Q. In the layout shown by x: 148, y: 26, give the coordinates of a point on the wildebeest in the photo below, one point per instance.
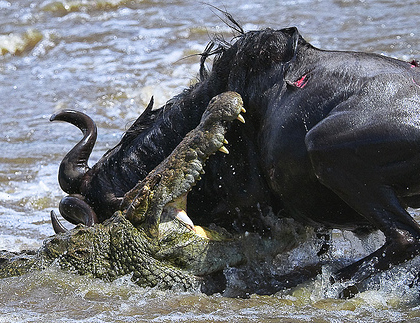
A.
x: 332, y: 138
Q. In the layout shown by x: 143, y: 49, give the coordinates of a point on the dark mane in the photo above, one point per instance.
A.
x: 218, y: 45
x: 149, y: 117
x: 144, y: 121
x: 229, y: 20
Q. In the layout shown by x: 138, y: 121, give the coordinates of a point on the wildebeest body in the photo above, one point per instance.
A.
x: 355, y: 109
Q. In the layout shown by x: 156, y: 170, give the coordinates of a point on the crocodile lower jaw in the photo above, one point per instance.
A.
x: 176, y: 211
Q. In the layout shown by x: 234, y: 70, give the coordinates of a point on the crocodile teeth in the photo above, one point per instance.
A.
x: 184, y: 218
x: 225, y: 141
x: 243, y: 110
x: 224, y: 150
x: 240, y: 118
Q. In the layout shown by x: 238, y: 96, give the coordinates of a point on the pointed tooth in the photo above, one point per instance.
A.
x: 184, y: 218
x: 225, y: 141
x: 224, y: 150
x: 240, y: 118
x: 243, y: 110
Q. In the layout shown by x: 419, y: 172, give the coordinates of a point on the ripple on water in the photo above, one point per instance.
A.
x: 62, y: 8
x: 19, y: 44
x: 62, y: 297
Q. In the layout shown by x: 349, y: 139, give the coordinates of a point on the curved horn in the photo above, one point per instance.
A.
x: 57, y: 226
x: 74, y: 209
x: 74, y: 165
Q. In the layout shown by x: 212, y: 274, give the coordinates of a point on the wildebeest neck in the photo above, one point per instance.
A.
x: 151, y: 139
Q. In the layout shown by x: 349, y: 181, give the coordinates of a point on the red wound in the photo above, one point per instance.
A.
x: 301, y: 82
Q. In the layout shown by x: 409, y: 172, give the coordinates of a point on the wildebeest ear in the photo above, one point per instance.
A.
x: 292, y: 43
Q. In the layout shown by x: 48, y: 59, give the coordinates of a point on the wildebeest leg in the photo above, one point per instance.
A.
x: 372, y: 169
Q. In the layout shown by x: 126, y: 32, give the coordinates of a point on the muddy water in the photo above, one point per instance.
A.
x: 107, y: 58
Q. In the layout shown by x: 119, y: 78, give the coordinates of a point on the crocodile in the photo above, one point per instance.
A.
x: 151, y: 237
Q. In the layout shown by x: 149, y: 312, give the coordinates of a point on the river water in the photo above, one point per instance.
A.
x: 106, y: 58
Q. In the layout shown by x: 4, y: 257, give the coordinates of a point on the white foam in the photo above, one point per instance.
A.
x: 15, y: 243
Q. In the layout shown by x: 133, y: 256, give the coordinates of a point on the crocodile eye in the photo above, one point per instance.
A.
x: 82, y: 252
